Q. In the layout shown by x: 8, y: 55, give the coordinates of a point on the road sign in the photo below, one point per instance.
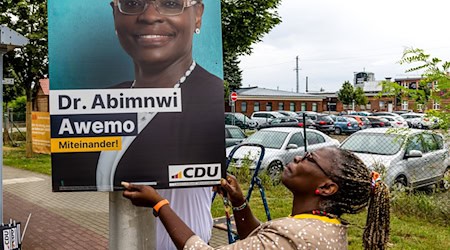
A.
x: 8, y: 81
x: 233, y: 96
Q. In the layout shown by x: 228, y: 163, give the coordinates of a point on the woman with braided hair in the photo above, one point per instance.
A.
x: 325, y: 184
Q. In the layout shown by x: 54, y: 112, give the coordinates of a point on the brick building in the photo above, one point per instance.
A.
x: 260, y: 99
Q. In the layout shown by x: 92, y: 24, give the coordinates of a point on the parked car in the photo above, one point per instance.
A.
x: 363, y: 122
x: 311, y: 114
x: 344, y: 124
x: 385, y: 114
x: 240, y: 120
x: 419, y: 120
x: 233, y: 135
x: 281, y: 145
x: 287, y: 122
x: 360, y: 113
x: 378, y: 122
x: 287, y: 113
x: 324, y: 123
x: 396, y: 121
x: 265, y: 116
x: 412, y: 158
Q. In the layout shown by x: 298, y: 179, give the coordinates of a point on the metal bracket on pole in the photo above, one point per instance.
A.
x: 9, y: 40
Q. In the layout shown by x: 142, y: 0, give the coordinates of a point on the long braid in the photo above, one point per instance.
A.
x: 356, y: 191
x: 376, y: 233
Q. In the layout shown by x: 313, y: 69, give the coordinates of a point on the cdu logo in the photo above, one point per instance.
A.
x: 179, y: 175
x: 194, y: 172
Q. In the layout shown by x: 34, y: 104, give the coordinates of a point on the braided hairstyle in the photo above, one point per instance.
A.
x: 356, y: 191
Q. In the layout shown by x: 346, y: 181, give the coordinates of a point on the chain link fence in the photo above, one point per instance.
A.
x: 410, y: 161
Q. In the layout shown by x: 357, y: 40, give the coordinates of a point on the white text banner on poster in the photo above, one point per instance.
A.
x: 96, y: 101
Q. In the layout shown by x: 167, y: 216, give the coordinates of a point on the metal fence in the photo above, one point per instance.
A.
x: 406, y: 158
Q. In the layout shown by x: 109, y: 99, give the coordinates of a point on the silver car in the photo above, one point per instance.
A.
x: 407, y: 158
x: 281, y: 145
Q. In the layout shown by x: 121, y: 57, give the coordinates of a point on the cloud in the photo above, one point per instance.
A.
x: 333, y: 39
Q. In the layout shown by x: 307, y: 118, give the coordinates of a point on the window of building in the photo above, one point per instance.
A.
x: 281, y: 106
x: 244, y: 107
x: 381, y: 105
x: 314, y: 107
x: 292, y: 106
x: 256, y: 106
x: 369, y: 106
x: 269, y: 106
x: 419, y: 107
x: 303, y: 106
x: 405, y: 105
x: 362, y: 107
x: 436, y: 105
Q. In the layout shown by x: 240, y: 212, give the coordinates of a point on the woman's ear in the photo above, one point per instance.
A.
x: 328, y: 188
x: 199, y: 8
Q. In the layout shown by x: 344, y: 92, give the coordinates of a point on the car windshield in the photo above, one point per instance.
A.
x: 373, y: 143
x: 269, y: 139
x: 241, y: 116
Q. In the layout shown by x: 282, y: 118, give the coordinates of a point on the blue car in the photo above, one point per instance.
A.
x: 345, y: 125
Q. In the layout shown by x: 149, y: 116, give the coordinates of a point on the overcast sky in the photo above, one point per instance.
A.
x: 335, y: 38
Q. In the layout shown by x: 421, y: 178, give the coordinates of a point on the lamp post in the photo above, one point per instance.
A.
x: 9, y: 40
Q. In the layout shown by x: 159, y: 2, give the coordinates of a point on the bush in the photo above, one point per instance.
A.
x: 430, y: 207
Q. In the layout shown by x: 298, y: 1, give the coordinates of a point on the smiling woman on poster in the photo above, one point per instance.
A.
x: 158, y: 36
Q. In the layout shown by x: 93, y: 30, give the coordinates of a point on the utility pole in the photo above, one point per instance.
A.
x: 297, y: 70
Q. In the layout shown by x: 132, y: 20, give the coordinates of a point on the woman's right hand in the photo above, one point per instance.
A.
x: 234, y: 192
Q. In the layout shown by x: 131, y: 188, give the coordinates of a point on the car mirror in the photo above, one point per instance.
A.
x: 291, y: 146
x: 414, y: 154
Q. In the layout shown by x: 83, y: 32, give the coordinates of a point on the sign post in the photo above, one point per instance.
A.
x: 9, y: 40
x: 233, y: 99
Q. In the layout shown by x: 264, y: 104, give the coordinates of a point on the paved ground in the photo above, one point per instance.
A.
x: 60, y: 220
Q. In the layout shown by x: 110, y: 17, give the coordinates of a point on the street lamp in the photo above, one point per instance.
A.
x: 9, y: 40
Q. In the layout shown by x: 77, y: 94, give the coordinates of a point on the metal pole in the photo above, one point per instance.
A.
x: 297, y: 69
x: 304, y: 132
x: 130, y: 227
x: 1, y: 134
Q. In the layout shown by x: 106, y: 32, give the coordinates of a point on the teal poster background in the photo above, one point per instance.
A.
x: 84, y: 52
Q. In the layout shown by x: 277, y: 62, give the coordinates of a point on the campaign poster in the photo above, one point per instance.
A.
x: 136, y: 94
x: 40, y: 132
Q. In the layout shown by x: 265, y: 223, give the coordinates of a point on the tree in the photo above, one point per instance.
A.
x: 360, y: 97
x: 243, y: 24
x: 435, y: 72
x: 346, y: 93
x: 30, y: 63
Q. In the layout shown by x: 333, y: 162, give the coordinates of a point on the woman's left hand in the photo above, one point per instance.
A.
x: 141, y: 196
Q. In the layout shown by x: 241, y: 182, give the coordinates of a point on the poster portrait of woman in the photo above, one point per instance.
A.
x: 122, y: 50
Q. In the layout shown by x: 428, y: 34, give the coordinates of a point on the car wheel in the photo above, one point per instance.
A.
x: 274, y: 170
x: 337, y: 131
x: 400, y: 184
x: 444, y: 184
x: 420, y: 125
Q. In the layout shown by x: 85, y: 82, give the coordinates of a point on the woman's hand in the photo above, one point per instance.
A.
x: 141, y: 196
x: 234, y: 192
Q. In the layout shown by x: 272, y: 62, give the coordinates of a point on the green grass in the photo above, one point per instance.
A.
x: 418, y: 221
x: 408, y: 231
x: 15, y: 157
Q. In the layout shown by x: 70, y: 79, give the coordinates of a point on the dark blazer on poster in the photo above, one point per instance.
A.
x: 194, y: 136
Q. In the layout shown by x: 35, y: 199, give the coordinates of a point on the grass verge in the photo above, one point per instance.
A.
x: 15, y: 157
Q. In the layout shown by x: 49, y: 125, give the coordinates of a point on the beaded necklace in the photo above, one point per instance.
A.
x: 182, y: 79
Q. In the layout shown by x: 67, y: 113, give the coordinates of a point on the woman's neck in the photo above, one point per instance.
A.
x: 160, y: 75
x: 302, y: 204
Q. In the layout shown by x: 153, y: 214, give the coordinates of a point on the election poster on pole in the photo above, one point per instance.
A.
x: 136, y: 94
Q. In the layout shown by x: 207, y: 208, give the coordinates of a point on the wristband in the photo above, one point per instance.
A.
x: 241, y: 207
x: 158, y: 206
